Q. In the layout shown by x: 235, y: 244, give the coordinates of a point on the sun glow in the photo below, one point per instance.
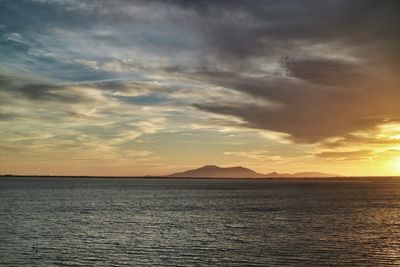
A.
x: 395, y: 166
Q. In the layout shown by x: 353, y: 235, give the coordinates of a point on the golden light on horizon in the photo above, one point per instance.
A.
x: 149, y: 102
x: 395, y: 165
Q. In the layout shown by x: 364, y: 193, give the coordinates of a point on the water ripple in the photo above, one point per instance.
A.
x: 145, y: 222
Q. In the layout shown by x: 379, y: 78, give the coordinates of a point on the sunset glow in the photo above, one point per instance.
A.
x: 155, y: 87
x: 395, y: 165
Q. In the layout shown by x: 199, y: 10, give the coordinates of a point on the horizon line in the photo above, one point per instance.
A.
x: 173, y: 178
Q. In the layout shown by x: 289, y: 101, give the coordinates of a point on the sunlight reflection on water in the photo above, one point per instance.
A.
x: 131, y: 222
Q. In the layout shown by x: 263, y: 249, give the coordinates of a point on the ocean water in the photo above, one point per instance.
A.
x: 182, y: 222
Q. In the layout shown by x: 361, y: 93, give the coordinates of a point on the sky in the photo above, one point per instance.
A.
x: 153, y: 87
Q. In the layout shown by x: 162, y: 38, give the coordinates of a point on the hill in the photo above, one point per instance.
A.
x: 213, y: 171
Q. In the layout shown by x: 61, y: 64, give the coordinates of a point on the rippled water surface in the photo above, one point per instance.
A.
x: 134, y: 222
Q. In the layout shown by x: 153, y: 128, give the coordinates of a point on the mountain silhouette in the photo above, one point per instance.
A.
x: 213, y: 171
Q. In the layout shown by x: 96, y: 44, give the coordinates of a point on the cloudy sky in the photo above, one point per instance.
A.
x: 152, y: 87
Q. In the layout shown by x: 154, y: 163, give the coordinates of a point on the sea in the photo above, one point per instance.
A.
x: 48, y: 221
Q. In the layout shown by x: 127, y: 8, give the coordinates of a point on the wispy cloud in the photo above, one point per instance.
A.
x: 113, y: 78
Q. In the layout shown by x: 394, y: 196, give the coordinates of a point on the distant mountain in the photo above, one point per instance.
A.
x: 213, y: 171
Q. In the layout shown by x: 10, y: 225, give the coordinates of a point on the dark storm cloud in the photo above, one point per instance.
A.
x: 245, y: 29
x: 308, y: 112
x: 334, y: 63
x: 352, y: 140
x: 25, y: 16
x: 330, y: 96
x: 326, y: 72
x: 9, y: 116
x: 46, y: 92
